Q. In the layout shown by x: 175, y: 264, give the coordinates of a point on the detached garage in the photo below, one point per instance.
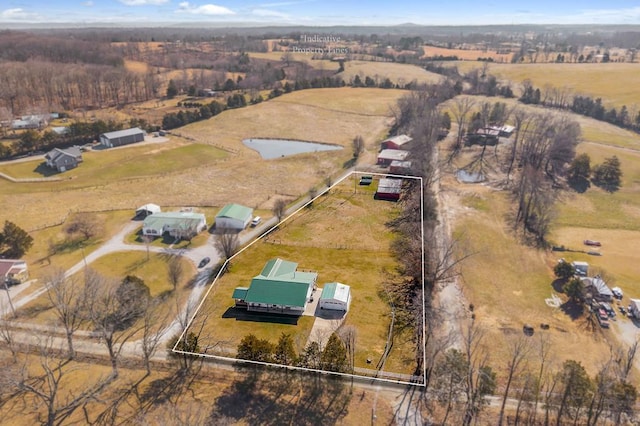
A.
x: 122, y: 137
x: 335, y: 296
x: 234, y: 216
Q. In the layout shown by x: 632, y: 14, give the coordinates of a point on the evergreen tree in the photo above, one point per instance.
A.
x: 563, y: 270
x: 608, y: 175
x: 574, y: 289
x: 172, y: 90
x: 310, y: 357
x: 14, y: 240
x: 285, y: 353
x: 334, y: 355
x: 255, y: 349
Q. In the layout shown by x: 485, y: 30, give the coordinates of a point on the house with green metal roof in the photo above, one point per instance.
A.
x: 177, y: 224
x: 335, y: 296
x: 280, y: 288
x: 234, y: 216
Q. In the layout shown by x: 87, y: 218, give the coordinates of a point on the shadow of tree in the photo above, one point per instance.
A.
x: 579, y: 184
x: 558, y: 285
x: 278, y: 397
x: 606, y: 187
x: 573, y: 309
x: 243, y: 315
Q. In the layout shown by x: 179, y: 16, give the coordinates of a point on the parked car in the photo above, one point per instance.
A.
x: 602, y: 314
x: 592, y: 243
x: 203, y: 262
x: 617, y: 292
x: 366, y: 180
x: 622, y: 309
x: 256, y: 220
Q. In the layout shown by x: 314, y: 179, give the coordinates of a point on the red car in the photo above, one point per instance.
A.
x: 592, y: 243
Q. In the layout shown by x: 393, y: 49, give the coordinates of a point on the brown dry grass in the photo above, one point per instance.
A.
x: 344, y: 238
x: 379, y: 71
x: 136, y: 66
x: 609, y: 81
x: 467, y: 54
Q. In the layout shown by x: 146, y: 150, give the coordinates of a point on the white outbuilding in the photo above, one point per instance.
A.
x: 148, y: 209
x: 335, y: 296
x: 234, y: 216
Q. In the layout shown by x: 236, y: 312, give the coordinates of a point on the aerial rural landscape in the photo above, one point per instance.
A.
x: 262, y: 219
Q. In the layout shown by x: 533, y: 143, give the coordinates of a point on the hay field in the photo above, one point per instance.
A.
x: 467, y: 54
x: 610, y: 81
x: 397, y: 73
x: 323, y: 239
x: 209, y: 180
x: 323, y: 64
x: 508, y: 283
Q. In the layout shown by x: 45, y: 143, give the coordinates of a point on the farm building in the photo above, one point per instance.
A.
x: 33, y: 121
x: 389, y: 189
x: 234, y: 216
x: 147, y: 209
x: 581, y: 268
x: 177, y: 224
x: 598, y: 287
x: 280, y: 288
x: 13, y: 271
x: 397, y: 142
x: 634, y: 308
x: 387, y: 156
x: 122, y: 137
x: 400, y: 167
x: 63, y: 159
x: 335, y: 296
x: 484, y: 136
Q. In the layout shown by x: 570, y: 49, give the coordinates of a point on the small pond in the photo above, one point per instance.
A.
x: 276, y: 148
x: 469, y: 177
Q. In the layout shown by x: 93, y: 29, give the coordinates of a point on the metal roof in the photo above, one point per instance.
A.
x: 184, y: 220
x: 240, y: 293
x: 280, y: 283
x: 393, y: 154
x: 337, y: 291
x: 399, y: 140
x: 236, y: 211
x: 389, y: 186
x: 122, y: 133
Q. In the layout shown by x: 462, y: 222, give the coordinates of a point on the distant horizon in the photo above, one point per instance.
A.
x: 318, y: 13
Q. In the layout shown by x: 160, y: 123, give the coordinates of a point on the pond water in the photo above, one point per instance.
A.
x: 276, y: 148
x: 469, y: 177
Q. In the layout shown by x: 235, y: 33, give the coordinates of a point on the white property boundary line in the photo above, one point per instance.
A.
x: 312, y: 370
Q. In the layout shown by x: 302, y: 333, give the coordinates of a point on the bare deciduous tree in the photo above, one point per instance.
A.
x: 226, y: 242
x: 279, y: 209
x: 85, y: 224
x: 519, y: 350
x: 69, y: 301
x: 175, y: 271
x: 358, y: 146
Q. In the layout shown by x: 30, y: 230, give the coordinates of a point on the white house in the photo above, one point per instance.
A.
x: 335, y: 296
x: 177, y: 224
x: 234, y: 216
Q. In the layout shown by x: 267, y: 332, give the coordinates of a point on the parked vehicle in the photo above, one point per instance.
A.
x: 203, y: 262
x: 366, y: 180
x: 592, y: 243
x: 256, y: 220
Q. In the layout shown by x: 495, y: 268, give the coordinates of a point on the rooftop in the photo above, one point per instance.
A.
x: 122, y: 133
x: 7, y: 265
x: 235, y: 211
x: 399, y: 139
x: 393, y: 154
x: 173, y: 219
x: 336, y: 291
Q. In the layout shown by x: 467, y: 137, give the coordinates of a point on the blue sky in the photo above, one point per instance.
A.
x: 323, y: 12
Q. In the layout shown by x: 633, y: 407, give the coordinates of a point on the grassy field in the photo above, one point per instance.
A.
x: 467, y: 54
x: 72, y: 253
x: 99, y: 167
x: 317, y: 239
x: 595, y: 80
x: 379, y: 71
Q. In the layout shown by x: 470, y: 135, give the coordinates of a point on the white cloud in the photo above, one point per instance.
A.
x: 270, y: 13
x: 205, y: 9
x: 17, y: 14
x: 87, y: 3
x: 286, y: 3
x: 142, y: 2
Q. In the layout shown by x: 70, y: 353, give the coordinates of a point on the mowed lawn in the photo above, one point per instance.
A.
x: 131, y: 162
x: 609, y: 81
x: 114, y: 267
x: 344, y: 239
